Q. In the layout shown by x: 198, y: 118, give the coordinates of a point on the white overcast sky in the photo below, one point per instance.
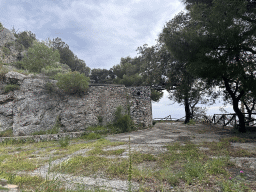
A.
x: 99, y: 32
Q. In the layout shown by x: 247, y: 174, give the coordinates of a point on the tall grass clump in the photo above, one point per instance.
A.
x: 123, y: 122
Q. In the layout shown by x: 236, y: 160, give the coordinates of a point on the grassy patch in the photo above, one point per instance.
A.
x: 91, y: 136
x: 224, y: 148
x: 11, y: 87
x: 6, y: 133
x: 181, y: 167
x: 98, y: 151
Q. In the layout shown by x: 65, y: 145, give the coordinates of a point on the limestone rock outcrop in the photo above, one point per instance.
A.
x: 34, y: 108
x: 6, y: 36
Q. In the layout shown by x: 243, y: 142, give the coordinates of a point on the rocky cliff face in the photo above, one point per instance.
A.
x: 33, y: 107
x: 8, y: 51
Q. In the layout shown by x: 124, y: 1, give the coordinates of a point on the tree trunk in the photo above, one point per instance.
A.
x: 240, y: 115
x: 235, y: 100
x: 187, y: 111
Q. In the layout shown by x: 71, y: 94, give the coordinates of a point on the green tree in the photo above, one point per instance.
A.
x: 162, y: 70
x: 101, y: 76
x: 216, y: 40
x: 68, y: 57
x: 26, y: 38
x: 39, y: 56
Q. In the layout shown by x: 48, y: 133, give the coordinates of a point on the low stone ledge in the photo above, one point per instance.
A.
x: 40, y: 138
x: 47, y: 137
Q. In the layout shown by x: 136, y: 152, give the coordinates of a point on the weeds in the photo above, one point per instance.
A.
x: 64, y: 141
x: 182, y: 163
x: 11, y: 87
x: 6, y: 133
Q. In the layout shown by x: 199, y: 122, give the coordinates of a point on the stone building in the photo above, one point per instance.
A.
x: 33, y: 108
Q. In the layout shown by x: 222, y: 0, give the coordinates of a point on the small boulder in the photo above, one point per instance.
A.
x: 14, y: 78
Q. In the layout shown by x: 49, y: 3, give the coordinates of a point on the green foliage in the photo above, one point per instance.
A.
x: 100, y: 119
x: 64, y: 141
x: 6, y: 51
x: 68, y: 57
x: 73, y: 82
x: 91, y: 136
x: 6, y: 133
x: 9, y: 44
x: 236, y: 184
x: 156, y: 95
x: 11, y: 87
x: 191, y: 122
x: 19, y: 47
x: 1, y: 26
x: 39, y: 56
x: 127, y: 72
x: 54, y: 69
x: 123, y: 122
x: 3, y: 70
x: 25, y: 39
x: 49, y: 87
x: 101, y: 76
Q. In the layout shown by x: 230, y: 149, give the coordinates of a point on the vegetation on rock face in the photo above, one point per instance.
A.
x: 73, y: 82
x: 3, y: 71
x: 11, y: 87
x: 68, y: 57
x: 54, y: 69
x: 39, y: 56
x: 6, y: 51
x: 25, y: 39
x: 1, y: 26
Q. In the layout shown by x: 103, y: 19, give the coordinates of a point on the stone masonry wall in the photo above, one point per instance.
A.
x: 32, y: 108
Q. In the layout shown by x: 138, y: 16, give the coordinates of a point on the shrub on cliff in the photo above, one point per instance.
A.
x: 6, y: 51
x: 72, y: 82
x: 39, y: 56
x: 11, y: 87
x: 3, y: 71
x: 1, y: 26
x: 25, y: 38
x: 55, y: 68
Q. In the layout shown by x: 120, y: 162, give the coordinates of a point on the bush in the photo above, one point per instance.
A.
x: 11, y: 87
x: 123, y: 122
x: 191, y: 122
x: 64, y: 141
x: 6, y: 51
x: 49, y: 87
x: 53, y: 70
x: 1, y: 27
x: 6, y: 133
x: 19, y: 47
x: 3, y: 71
x: 72, y: 82
x: 91, y: 136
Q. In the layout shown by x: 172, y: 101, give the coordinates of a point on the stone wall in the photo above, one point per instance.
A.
x: 32, y: 108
